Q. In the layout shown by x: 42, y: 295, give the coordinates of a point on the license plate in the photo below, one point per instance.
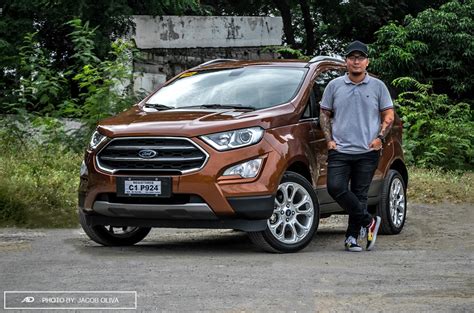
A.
x: 144, y: 186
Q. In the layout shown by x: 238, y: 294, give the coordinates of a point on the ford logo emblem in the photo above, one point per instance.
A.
x: 147, y: 154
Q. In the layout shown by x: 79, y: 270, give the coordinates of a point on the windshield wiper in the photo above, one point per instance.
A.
x: 223, y: 106
x: 158, y: 106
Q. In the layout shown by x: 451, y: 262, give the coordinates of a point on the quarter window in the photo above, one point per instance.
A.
x: 319, y: 84
x: 322, y: 81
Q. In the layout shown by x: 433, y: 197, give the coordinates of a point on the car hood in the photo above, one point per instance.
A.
x: 139, y: 121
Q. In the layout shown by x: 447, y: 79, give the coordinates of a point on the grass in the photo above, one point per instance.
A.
x: 38, y: 186
x: 434, y: 186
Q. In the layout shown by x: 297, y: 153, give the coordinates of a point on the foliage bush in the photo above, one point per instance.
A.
x: 438, y: 132
x: 38, y: 185
x: 44, y: 94
x: 105, y: 87
x: 434, y: 47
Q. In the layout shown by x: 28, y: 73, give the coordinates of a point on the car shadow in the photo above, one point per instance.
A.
x: 222, y: 242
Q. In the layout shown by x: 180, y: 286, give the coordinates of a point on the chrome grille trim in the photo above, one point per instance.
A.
x: 130, y: 159
x: 151, y: 147
x: 106, y: 169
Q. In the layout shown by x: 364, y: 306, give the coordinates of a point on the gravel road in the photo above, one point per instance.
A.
x: 426, y: 268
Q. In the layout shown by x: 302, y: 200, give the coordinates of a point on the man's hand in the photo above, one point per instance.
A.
x: 376, y: 144
x: 331, y: 145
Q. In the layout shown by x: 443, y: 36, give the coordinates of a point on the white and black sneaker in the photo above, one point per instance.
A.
x: 351, y: 245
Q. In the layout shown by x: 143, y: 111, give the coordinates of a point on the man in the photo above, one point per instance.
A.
x: 356, y: 116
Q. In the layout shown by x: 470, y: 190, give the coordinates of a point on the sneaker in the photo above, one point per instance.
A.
x: 372, y: 230
x: 351, y: 245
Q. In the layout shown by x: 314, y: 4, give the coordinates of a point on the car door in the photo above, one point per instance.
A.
x: 324, y: 76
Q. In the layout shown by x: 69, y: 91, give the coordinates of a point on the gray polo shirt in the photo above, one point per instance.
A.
x: 356, y: 107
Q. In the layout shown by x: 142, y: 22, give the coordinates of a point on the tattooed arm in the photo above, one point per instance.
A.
x: 387, y: 122
x: 325, y: 121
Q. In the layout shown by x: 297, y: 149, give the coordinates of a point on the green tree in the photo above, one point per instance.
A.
x: 348, y: 20
x: 322, y: 26
x: 43, y: 93
x: 104, y: 84
x: 437, y: 47
x: 48, y: 19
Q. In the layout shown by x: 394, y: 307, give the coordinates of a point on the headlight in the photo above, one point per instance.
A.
x: 247, y: 169
x: 234, y: 139
x: 96, y: 139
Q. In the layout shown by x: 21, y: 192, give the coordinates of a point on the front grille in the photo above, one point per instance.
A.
x: 173, y: 155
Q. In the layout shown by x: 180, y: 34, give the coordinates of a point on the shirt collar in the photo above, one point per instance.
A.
x: 347, y: 80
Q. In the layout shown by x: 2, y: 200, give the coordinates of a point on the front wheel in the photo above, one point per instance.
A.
x: 295, y: 217
x: 392, y: 207
x: 109, y: 235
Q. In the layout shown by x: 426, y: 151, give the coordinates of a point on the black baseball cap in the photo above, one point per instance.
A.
x: 357, y: 46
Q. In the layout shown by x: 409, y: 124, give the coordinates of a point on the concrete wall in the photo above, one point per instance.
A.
x: 206, y: 31
x: 161, y: 64
x: 172, y: 44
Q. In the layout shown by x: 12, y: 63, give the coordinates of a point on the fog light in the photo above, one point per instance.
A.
x: 247, y: 169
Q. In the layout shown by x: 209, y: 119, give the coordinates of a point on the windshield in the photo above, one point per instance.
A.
x: 255, y: 87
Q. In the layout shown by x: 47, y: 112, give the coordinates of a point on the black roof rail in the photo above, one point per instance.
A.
x: 216, y: 61
x: 320, y: 58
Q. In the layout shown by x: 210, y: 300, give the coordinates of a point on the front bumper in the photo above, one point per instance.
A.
x: 222, y: 198
x: 251, y: 208
x: 251, y: 214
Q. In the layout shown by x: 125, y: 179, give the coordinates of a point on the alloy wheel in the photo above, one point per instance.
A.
x: 293, y: 213
x: 397, y: 202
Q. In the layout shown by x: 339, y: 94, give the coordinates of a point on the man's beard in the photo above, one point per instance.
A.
x: 357, y: 74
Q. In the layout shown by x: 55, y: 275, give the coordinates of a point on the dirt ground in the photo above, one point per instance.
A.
x: 426, y: 268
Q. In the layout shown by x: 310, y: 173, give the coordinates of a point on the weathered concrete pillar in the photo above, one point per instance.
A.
x: 206, y: 31
x: 171, y: 44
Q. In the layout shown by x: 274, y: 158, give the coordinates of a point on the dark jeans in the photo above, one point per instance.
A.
x: 359, y: 170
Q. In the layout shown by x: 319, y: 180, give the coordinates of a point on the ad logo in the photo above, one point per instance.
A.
x: 28, y: 300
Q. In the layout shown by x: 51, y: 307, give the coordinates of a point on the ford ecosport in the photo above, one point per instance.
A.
x: 228, y: 144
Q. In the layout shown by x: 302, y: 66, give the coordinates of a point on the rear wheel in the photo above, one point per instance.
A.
x: 392, y: 207
x: 109, y: 235
x: 295, y: 217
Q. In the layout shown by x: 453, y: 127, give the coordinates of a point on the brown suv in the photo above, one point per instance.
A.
x: 228, y: 144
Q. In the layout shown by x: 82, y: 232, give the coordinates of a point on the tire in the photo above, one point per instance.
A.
x: 392, y: 207
x: 290, y: 228
x: 113, y: 236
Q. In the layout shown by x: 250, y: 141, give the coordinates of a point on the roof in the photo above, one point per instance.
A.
x: 232, y: 63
